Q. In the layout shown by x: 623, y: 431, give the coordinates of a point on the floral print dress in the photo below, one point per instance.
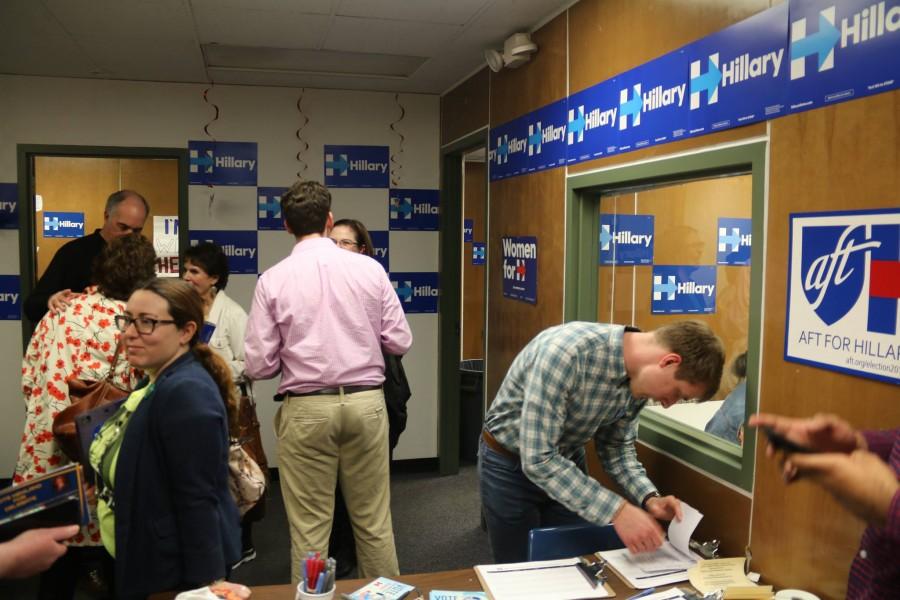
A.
x: 79, y: 343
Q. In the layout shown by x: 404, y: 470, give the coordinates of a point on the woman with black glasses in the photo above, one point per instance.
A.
x: 164, y: 507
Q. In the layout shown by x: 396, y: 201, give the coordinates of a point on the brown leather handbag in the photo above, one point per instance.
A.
x: 84, y: 396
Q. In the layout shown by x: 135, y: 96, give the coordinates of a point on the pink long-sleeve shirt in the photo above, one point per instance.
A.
x: 321, y: 317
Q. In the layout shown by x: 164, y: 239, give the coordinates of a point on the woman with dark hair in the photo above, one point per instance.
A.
x: 164, y: 507
x: 352, y: 235
x: 206, y: 269
x: 79, y: 342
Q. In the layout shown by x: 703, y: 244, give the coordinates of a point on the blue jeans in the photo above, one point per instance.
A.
x: 513, y: 505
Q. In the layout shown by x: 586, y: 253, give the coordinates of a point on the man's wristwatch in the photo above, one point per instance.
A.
x: 647, y: 498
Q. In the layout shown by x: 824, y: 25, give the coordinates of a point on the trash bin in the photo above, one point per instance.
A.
x: 471, y: 407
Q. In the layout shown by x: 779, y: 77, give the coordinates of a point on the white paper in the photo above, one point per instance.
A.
x: 665, y: 559
x: 680, y: 532
x: 538, y: 580
x: 38, y: 203
x: 622, y: 562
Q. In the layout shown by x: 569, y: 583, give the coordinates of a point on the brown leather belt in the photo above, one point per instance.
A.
x: 496, y: 446
x: 334, y: 391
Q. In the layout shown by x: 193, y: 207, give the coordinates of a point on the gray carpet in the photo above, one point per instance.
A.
x: 437, y: 527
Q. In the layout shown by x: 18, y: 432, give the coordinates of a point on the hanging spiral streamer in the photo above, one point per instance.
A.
x: 212, y: 189
x: 304, y: 145
x: 396, y: 164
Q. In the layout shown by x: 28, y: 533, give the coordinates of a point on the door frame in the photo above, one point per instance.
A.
x: 26, y: 154
x: 450, y: 274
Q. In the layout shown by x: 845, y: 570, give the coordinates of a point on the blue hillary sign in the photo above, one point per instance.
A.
x: 414, y: 210
x: 10, y: 298
x: 519, y: 269
x: 268, y: 208
x: 468, y: 229
x: 534, y: 142
x: 418, y: 292
x: 9, y: 206
x: 738, y: 75
x: 626, y: 239
x: 380, y: 248
x: 478, y: 253
x: 63, y: 224
x: 357, y: 166
x: 842, y: 50
x: 239, y: 246
x: 687, y: 289
x: 222, y: 163
x: 593, y: 123
x: 734, y: 239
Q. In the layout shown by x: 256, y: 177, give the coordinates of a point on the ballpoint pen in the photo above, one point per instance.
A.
x: 642, y: 593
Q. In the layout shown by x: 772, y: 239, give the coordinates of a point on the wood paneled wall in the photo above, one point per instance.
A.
x: 474, y: 208
x: 530, y: 205
x: 843, y: 157
x: 464, y: 109
x: 838, y: 158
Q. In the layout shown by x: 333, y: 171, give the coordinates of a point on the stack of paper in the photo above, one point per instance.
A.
x: 668, y: 564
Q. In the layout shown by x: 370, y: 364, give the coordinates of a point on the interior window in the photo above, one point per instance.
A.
x: 682, y: 251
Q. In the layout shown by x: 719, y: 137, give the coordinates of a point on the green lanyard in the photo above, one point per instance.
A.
x: 110, y: 438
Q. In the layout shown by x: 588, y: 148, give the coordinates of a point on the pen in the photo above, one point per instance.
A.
x: 643, y: 593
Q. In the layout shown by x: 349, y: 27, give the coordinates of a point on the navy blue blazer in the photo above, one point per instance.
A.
x: 177, y: 526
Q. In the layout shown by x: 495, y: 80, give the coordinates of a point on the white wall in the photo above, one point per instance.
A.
x: 35, y: 110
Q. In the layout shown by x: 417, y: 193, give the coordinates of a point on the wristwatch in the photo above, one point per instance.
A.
x: 647, y: 497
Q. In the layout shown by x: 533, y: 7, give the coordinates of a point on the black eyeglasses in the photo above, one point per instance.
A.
x: 345, y: 243
x: 144, y: 325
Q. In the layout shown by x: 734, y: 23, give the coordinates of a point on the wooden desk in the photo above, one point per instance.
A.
x: 462, y: 580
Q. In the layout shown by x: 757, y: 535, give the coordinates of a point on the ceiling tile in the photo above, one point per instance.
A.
x: 55, y: 56
x: 390, y: 37
x: 453, y: 12
x: 29, y: 18
x: 164, y: 20
x: 282, y: 29
x: 121, y: 58
x: 316, y: 7
x: 298, y: 80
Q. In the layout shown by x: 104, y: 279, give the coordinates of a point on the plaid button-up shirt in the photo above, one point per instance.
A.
x: 567, y: 386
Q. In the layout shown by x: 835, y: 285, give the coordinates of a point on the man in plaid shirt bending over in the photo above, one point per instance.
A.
x: 570, y: 384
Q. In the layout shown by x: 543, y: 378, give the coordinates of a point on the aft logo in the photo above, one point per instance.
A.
x: 63, y: 224
x: 683, y: 289
x: 844, y: 292
x: 418, y: 292
x: 414, y: 210
x: 734, y: 241
x: 840, y: 264
x: 222, y: 163
x: 520, y: 268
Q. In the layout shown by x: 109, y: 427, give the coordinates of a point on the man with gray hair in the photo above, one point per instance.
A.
x: 70, y: 270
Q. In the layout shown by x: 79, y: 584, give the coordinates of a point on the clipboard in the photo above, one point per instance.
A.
x: 531, y: 579
x: 87, y: 424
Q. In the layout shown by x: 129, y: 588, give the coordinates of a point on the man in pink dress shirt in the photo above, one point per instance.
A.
x: 321, y: 317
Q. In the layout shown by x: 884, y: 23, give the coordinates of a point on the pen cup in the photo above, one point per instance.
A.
x: 301, y: 595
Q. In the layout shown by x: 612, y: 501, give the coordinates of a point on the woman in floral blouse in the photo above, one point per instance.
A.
x: 78, y: 343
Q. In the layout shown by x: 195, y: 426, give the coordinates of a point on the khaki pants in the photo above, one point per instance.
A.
x: 321, y: 439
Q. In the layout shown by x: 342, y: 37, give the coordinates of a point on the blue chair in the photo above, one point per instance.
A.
x: 567, y: 541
